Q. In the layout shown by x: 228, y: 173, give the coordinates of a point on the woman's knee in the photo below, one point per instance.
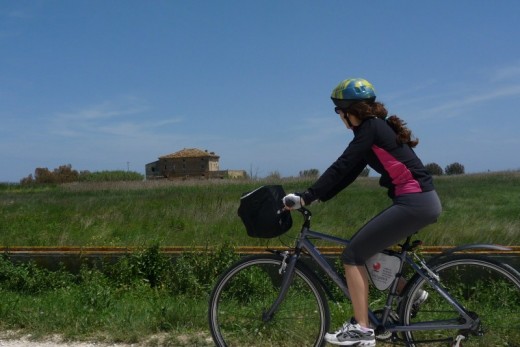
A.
x: 350, y: 257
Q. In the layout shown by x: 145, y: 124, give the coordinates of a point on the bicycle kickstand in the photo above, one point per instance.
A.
x: 458, y: 340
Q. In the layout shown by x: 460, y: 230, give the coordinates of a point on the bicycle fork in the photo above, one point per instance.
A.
x: 287, y: 272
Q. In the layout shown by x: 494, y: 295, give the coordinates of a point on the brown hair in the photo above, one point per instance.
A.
x: 364, y: 110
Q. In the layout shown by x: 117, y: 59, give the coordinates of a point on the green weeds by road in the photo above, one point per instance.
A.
x: 142, y: 295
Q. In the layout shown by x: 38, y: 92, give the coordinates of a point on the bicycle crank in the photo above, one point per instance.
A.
x: 458, y: 341
x: 381, y: 333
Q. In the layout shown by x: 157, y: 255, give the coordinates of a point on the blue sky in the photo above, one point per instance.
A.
x: 112, y: 85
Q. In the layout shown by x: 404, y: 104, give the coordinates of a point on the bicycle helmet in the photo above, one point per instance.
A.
x: 352, y: 90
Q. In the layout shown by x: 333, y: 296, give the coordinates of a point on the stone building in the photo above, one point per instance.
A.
x: 189, y: 163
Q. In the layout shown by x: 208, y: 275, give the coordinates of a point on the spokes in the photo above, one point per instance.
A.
x: 242, y: 297
x: 487, y: 291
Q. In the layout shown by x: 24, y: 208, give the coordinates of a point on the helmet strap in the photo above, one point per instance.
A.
x: 348, y: 120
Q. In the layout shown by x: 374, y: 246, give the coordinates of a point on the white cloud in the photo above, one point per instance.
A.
x: 128, y: 118
x: 506, y: 73
x: 106, y: 110
x: 484, y: 95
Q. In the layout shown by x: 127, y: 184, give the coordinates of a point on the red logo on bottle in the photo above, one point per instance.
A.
x: 376, y: 266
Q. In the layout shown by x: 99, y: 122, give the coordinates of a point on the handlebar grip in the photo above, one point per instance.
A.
x: 288, y: 202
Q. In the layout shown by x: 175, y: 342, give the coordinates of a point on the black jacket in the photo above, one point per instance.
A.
x: 374, y: 144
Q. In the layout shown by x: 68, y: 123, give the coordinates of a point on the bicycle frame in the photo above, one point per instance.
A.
x: 304, y: 244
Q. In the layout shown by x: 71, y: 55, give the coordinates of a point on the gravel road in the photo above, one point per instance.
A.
x: 13, y: 339
x: 25, y: 342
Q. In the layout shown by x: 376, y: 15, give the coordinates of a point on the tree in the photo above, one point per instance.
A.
x: 454, y: 169
x: 274, y: 176
x: 27, y: 180
x: 65, y: 174
x: 365, y: 172
x: 43, y: 175
x: 434, y: 169
x: 311, y: 173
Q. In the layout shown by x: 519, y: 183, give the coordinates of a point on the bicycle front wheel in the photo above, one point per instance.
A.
x: 490, y: 290
x: 249, y: 288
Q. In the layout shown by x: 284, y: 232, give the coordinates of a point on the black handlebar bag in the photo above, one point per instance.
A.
x: 262, y: 212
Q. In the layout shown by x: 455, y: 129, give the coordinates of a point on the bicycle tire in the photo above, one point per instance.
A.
x: 482, y: 285
x: 248, y: 288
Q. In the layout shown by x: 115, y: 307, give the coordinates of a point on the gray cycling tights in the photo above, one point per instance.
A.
x: 407, y: 215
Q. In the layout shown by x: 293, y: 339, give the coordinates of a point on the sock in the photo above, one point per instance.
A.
x: 365, y: 329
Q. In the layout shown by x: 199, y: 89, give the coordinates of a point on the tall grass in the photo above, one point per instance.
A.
x: 477, y: 208
x: 144, y: 298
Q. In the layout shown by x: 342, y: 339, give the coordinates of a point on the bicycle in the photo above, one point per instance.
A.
x: 281, y: 298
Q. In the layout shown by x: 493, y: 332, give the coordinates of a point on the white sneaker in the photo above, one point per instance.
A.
x: 352, y: 334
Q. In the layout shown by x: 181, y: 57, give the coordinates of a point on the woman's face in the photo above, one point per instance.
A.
x: 354, y: 121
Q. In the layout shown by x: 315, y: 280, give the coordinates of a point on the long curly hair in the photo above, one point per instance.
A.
x: 364, y: 110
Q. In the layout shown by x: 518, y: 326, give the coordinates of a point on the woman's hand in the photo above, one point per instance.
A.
x: 293, y: 201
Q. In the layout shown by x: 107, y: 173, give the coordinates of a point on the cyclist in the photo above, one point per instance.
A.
x: 385, y: 144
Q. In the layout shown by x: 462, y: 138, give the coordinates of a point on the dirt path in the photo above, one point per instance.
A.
x: 13, y: 339
x: 28, y: 343
x: 25, y: 342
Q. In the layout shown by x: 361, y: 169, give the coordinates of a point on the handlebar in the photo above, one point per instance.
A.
x: 306, y: 213
x: 289, y: 203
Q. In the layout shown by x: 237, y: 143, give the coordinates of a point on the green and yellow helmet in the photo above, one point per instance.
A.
x: 352, y: 90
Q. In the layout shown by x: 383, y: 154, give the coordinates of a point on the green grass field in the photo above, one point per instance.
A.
x: 148, y: 300
x: 477, y: 208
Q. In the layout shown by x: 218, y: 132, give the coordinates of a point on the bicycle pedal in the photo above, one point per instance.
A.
x: 384, y: 335
x: 458, y: 340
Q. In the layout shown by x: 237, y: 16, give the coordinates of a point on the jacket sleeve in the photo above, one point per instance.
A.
x: 345, y: 169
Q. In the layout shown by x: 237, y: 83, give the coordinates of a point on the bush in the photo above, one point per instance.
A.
x: 65, y: 174
x: 274, y: 176
x: 454, y: 169
x: 110, y: 176
x: 29, y: 278
x: 195, y: 272
x: 148, y: 267
x: 311, y: 173
x: 365, y: 172
x: 192, y: 274
x: 434, y: 169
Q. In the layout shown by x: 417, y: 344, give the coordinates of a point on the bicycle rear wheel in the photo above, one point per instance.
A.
x: 249, y: 288
x: 487, y: 288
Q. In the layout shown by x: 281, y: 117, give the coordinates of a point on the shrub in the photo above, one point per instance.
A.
x: 311, y: 173
x: 273, y: 176
x: 31, y: 279
x: 149, y: 267
x: 195, y: 272
x: 109, y: 176
x: 434, y: 169
x: 454, y: 169
x: 65, y: 174
x: 95, y: 288
x: 192, y: 273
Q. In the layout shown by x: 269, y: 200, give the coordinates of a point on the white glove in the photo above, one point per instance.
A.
x: 293, y: 201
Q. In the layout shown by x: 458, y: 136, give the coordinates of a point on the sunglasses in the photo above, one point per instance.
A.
x: 338, y: 109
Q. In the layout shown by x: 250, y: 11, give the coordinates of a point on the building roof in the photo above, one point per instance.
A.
x: 190, y: 153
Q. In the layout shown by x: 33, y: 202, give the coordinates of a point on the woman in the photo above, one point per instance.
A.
x: 385, y: 144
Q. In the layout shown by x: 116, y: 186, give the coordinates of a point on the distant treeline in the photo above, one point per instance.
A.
x: 65, y: 174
